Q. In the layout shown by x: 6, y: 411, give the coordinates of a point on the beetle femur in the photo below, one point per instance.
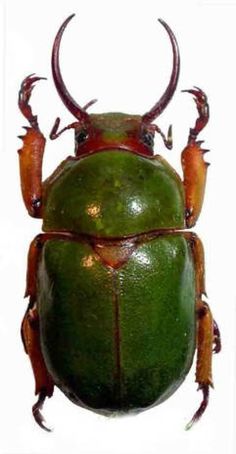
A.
x: 80, y: 112
x: 67, y: 99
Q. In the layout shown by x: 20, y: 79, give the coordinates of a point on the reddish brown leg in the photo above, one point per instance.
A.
x: 193, y: 164
x: 43, y: 382
x: 31, y: 327
x: 31, y: 153
x: 207, y: 331
x: 30, y: 331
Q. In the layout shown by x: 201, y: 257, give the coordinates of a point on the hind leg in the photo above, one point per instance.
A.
x: 30, y: 331
x: 31, y: 340
x: 208, y: 335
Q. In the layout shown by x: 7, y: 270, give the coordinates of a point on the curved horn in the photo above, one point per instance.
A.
x: 67, y: 99
x: 158, y: 108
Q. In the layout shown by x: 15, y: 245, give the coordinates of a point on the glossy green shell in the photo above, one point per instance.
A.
x: 113, y: 193
x: 117, y: 340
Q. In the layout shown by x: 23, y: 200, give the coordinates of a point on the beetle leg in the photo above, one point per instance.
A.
x: 31, y: 339
x: 31, y: 153
x: 30, y: 332
x: 207, y: 330
x: 30, y: 329
x: 193, y: 165
x: 205, y: 340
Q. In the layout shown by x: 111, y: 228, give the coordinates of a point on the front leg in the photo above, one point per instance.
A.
x: 193, y: 164
x: 31, y: 153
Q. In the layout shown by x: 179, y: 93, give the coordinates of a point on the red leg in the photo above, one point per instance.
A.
x: 30, y: 329
x: 205, y: 340
x: 31, y: 153
x: 31, y: 339
x: 207, y: 334
x: 193, y: 164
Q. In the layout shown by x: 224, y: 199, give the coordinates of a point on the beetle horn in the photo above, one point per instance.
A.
x: 158, y: 108
x: 69, y: 102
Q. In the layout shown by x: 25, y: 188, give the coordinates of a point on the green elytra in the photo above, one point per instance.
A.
x: 116, y: 339
x: 150, y: 302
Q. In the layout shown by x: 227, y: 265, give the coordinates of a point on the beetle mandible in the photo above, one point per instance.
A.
x: 116, y: 281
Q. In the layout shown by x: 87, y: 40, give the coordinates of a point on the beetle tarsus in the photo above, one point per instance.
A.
x: 200, y: 99
x: 205, y: 390
x: 36, y: 410
x: 24, y: 97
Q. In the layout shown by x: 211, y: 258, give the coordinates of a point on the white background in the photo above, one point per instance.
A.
x: 118, y: 52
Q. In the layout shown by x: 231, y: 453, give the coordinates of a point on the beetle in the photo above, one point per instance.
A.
x: 116, y: 281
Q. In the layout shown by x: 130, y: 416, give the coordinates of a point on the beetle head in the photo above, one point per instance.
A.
x: 115, y: 131
x: 96, y: 132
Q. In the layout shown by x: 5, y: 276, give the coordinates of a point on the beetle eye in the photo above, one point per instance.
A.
x: 81, y: 136
x: 148, y: 138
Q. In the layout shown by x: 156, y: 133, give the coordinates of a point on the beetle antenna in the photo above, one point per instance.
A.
x: 168, y: 141
x: 54, y: 134
x: 67, y: 99
x: 158, y: 108
x: 90, y: 103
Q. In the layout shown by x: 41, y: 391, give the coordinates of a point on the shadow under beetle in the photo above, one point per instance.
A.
x: 115, y: 284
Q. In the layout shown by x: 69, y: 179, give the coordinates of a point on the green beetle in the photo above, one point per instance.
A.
x: 116, y: 282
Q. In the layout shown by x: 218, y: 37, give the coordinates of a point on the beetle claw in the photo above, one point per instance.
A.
x: 202, y: 407
x: 37, y: 413
x: 217, y: 338
x: 198, y: 93
x: 217, y: 347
